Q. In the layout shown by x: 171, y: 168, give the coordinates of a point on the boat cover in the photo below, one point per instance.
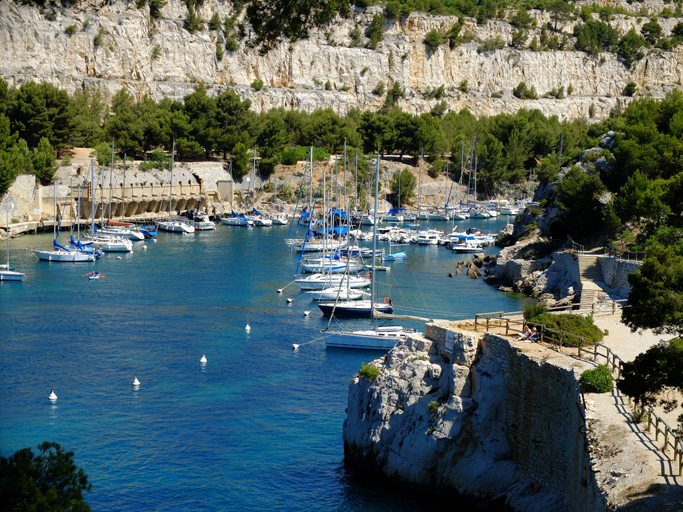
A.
x: 238, y: 216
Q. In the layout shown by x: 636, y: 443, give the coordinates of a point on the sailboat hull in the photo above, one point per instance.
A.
x: 10, y: 275
x: 360, y: 340
x: 357, y: 309
x: 64, y: 256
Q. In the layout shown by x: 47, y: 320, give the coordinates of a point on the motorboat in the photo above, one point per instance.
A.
x: 174, y: 226
x: 429, y: 237
x: 468, y: 246
x: 200, y: 220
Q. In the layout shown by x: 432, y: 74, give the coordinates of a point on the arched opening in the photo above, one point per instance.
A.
x: 558, y: 231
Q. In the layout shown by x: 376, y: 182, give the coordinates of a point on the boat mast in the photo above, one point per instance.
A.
x: 272, y: 203
x: 78, y: 214
x: 419, y: 188
x: 92, y: 190
x: 374, y: 243
x: 54, y: 224
x: 356, y: 190
x: 462, y: 170
x: 7, y: 221
x: 475, y: 179
x: 111, y: 176
x: 170, y: 192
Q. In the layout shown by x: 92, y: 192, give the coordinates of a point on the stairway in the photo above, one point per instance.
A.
x: 589, y: 271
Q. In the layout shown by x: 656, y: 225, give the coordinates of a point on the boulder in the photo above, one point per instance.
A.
x: 473, y: 272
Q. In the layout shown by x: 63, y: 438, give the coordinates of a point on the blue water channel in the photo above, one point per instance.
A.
x: 259, y: 427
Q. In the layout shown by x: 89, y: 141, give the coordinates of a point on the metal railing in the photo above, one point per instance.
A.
x: 627, y: 255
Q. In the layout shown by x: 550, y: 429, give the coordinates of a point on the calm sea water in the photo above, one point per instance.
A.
x: 256, y: 428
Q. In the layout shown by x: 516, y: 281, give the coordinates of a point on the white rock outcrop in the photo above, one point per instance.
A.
x: 474, y: 418
x: 160, y: 58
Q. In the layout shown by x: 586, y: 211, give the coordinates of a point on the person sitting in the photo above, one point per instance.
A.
x: 525, y: 335
x: 534, y: 335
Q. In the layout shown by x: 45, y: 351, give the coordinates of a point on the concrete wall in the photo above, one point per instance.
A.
x: 615, y: 273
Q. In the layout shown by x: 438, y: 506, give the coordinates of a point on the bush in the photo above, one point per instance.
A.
x: 156, y: 160
x: 433, y: 406
x: 524, y: 93
x: 368, y: 371
x: 533, y: 311
x: 574, y: 324
x: 231, y: 44
x: 99, y: 38
x: 491, y: 45
x: 257, y: 85
x: 433, y: 39
x: 193, y: 22
x: 597, y: 380
x: 156, y: 52
x: 66, y: 161
x: 70, y: 30
x: 436, y: 168
x: 290, y: 156
x: 630, y: 89
x: 379, y: 88
x: 375, y: 31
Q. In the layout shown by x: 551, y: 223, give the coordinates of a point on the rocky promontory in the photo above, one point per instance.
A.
x: 479, y: 417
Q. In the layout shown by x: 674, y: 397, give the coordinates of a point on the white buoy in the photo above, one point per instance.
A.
x: 144, y: 247
x: 279, y: 290
x: 306, y: 313
x: 295, y: 346
x: 52, y: 396
x: 154, y: 240
x: 118, y: 257
x: 289, y: 301
x: 136, y: 382
x: 203, y: 360
x: 247, y: 328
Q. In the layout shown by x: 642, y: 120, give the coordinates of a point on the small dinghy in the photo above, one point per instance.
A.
x: 94, y: 275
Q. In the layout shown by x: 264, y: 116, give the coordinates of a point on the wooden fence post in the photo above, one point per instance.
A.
x: 580, y: 341
x: 666, y: 438
x: 542, y: 326
x: 595, y: 353
x: 487, y: 324
x: 476, y: 318
x: 649, y: 418
x: 507, y: 326
x: 656, y: 428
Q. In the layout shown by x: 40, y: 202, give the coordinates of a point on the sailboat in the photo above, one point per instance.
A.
x: 377, y: 338
x: 173, y: 226
x: 7, y: 273
x: 59, y: 253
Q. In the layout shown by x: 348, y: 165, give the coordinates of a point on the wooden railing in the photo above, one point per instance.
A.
x: 583, y: 346
x: 670, y: 438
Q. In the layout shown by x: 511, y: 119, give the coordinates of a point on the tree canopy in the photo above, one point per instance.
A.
x: 48, y: 481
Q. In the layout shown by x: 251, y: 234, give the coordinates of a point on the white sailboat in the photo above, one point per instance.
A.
x: 173, y: 226
x: 59, y: 253
x: 7, y: 273
x: 378, y: 338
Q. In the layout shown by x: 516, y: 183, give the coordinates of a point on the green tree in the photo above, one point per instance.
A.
x: 126, y: 125
x: 47, y: 481
x: 215, y: 22
x: 155, y: 7
x: 44, y: 161
x: 393, y: 9
x: 651, y: 31
x: 434, y: 39
x: 375, y: 31
x: 629, y: 48
x: 193, y: 22
x: 559, y: 10
x: 408, y: 182
x: 522, y: 19
x: 240, y: 161
x: 578, y: 196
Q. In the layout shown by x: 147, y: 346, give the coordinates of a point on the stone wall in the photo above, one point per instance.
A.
x: 476, y: 418
x: 615, y: 273
x: 24, y: 196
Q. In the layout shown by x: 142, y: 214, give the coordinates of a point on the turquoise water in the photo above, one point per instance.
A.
x: 256, y: 428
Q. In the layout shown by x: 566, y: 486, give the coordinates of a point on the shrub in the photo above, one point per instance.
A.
x: 85, y: 25
x: 156, y: 160
x: 215, y: 22
x: 219, y: 52
x: 638, y: 416
x: 290, y: 156
x: 630, y: 89
x: 156, y: 52
x: 71, y: 30
x: 379, y: 88
x: 257, y: 85
x: 498, y: 94
x: 524, y: 93
x: 574, y: 324
x: 328, y: 86
x: 532, y: 311
x: 99, y: 38
x: 436, y: 168
x: 591, y: 111
x: 464, y: 87
x: 375, y: 31
x: 433, y: 406
x: 597, y: 380
x: 66, y: 161
x: 491, y: 45
x: 193, y: 22
x: 368, y: 371
x: 231, y: 44
x: 433, y: 39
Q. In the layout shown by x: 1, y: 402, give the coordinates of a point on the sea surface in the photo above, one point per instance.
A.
x: 259, y: 426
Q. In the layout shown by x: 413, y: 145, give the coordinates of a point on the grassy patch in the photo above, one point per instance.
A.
x: 368, y: 371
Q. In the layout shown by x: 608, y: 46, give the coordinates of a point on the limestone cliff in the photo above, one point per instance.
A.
x: 160, y: 58
x: 477, y: 418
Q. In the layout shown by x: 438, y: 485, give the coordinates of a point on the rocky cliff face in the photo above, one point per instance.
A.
x: 478, y: 418
x: 161, y: 59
